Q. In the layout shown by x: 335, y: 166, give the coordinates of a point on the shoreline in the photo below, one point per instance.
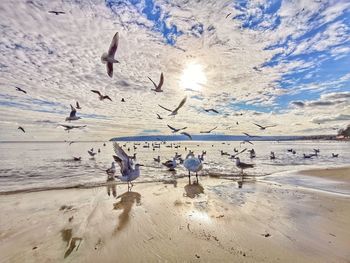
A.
x: 176, y: 221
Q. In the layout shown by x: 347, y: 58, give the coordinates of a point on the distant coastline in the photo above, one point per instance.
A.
x: 222, y: 138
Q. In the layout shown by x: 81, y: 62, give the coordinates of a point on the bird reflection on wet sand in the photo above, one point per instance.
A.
x: 125, y: 204
x: 111, y: 187
x: 194, y: 189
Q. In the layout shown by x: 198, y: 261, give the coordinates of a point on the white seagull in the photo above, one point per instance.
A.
x: 128, y: 172
x: 108, y: 58
x: 72, y: 115
x: 174, y: 112
x: 192, y: 164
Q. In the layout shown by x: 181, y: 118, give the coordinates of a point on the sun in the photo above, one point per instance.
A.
x: 193, y: 77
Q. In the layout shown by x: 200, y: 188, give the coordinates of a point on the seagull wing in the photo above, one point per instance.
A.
x: 181, y: 104
x: 228, y: 15
x: 97, y: 92
x: 164, y: 108
x: 159, y: 116
x: 258, y: 125
x: 107, y: 97
x: 214, y: 110
x: 114, y: 45
x: 246, y: 134
x: 77, y: 103
x: 73, y: 111
x: 239, y: 152
x: 172, y: 128
x: 109, y: 67
x: 213, y: 128
x: 66, y: 126
x: 122, y: 159
x: 187, y: 134
x: 155, y: 85
x: 161, y: 81
x: 270, y: 126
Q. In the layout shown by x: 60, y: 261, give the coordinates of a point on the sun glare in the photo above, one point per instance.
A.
x: 193, y: 77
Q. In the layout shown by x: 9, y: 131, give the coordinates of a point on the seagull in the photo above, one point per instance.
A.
x: 21, y: 128
x: 171, y: 164
x: 213, y: 110
x: 157, y: 159
x: 264, y: 127
x: 57, y: 12
x: 108, y: 58
x: 72, y: 116
x: 242, y: 165
x: 21, y: 90
x: 76, y: 158
x: 102, y: 97
x: 174, y: 112
x: 272, y: 156
x: 209, y: 130
x: 228, y: 15
x: 123, y: 100
x: 158, y: 88
x: 251, y: 136
x: 335, y: 155
x: 307, y: 156
x: 78, y: 106
x: 257, y: 69
x: 128, y: 172
x: 193, y: 164
x: 70, y: 127
x: 158, y: 117
x: 111, y: 170
x: 91, y: 152
x: 187, y: 134
x: 174, y: 130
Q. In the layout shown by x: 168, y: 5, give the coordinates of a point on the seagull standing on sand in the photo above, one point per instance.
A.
x: 158, y: 88
x: 242, y: 165
x: 108, y: 58
x: 128, y: 172
x: 21, y: 128
x: 101, y: 97
x: 192, y: 164
x: 171, y: 164
x: 174, y: 112
x: 72, y: 115
x: 111, y: 171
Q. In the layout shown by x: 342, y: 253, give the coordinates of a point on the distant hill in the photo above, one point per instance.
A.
x: 213, y: 137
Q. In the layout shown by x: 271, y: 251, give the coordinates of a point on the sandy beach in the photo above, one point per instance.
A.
x: 213, y: 221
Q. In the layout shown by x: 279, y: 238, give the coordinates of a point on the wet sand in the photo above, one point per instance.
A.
x: 214, y: 221
x: 339, y: 174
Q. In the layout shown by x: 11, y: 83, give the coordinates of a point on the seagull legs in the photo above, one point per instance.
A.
x: 189, y: 177
x: 197, y: 177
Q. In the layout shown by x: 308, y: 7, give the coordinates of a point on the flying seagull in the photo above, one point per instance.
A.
x: 158, y: 117
x: 174, y: 112
x: 264, y: 127
x: 78, y: 106
x: 158, y: 88
x: 21, y: 128
x: 102, y: 97
x: 209, y: 130
x: 71, y: 127
x: 176, y: 130
x: 251, y: 136
x: 244, y: 141
x: 72, y: 115
x: 128, y: 172
x: 57, y: 12
x: 108, y: 58
x: 21, y: 90
x: 187, y: 134
x: 213, y: 110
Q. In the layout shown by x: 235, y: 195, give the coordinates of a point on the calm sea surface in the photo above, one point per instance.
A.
x: 35, y: 165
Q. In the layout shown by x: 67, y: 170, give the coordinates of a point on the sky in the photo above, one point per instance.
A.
x: 283, y: 63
